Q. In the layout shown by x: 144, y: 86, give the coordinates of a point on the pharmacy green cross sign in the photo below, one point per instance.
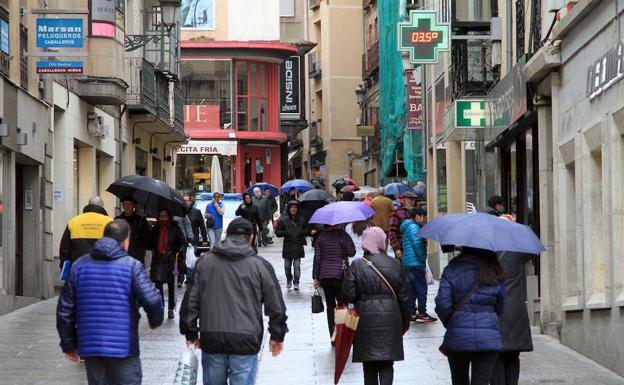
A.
x: 423, y: 37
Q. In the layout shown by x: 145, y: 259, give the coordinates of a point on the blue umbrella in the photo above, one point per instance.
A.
x: 262, y: 187
x: 342, y: 212
x: 396, y: 189
x: 298, y: 185
x: 482, y: 231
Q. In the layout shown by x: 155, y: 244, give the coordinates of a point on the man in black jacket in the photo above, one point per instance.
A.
x: 231, y: 284
x: 139, y: 229
x: 197, y: 222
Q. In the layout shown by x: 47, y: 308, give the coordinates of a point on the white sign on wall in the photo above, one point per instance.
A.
x: 210, y: 147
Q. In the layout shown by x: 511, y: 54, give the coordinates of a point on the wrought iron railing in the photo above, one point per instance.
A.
x: 520, y: 23
x: 163, y: 52
x: 178, y: 107
x: 141, y: 92
x: 472, y: 71
x: 162, y: 98
x: 535, y: 39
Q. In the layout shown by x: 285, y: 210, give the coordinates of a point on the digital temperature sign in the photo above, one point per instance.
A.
x: 423, y: 37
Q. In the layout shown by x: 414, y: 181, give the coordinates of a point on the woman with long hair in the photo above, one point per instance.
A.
x: 168, y: 244
x: 375, y: 284
x: 469, y: 302
x: 355, y: 231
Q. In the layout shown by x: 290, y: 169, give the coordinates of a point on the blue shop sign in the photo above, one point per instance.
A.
x: 60, y: 33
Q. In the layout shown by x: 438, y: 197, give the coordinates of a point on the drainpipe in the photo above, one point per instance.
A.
x: 509, y: 53
x: 120, y: 144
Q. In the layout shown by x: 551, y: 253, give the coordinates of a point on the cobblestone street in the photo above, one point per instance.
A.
x: 29, y: 352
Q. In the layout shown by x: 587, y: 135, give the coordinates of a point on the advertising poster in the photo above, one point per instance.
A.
x: 197, y: 14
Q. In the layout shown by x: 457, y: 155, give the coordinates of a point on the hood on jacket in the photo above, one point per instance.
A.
x: 234, y: 247
x: 107, y: 249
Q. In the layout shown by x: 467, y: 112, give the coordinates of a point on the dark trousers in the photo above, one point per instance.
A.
x: 378, y: 372
x: 291, y: 264
x: 170, y: 293
x: 468, y: 368
x: 417, y: 288
x: 507, y: 369
x: 114, y: 371
x: 264, y: 232
x: 331, y: 288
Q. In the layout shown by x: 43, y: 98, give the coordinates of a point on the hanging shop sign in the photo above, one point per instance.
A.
x: 60, y: 67
x: 290, y: 95
x: 605, y: 72
x: 414, y: 102
x: 423, y: 37
x: 209, y: 147
x: 60, y: 33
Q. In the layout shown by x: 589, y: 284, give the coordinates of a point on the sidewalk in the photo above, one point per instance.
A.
x: 29, y: 351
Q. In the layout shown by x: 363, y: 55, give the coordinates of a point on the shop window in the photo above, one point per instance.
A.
x: 193, y: 173
x: 208, y: 94
x: 252, y: 95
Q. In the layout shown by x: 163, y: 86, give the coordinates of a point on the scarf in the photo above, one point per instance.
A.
x: 163, y: 238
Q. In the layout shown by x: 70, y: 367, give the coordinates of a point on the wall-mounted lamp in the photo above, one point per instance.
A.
x: 136, y: 141
x: 154, y: 150
x: 168, y: 158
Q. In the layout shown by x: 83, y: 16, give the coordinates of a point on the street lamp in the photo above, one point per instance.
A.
x: 168, y: 19
x: 360, y: 94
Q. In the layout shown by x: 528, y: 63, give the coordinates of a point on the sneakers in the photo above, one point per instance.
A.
x: 170, y: 314
x: 289, y: 285
x: 296, y: 286
x: 424, y: 318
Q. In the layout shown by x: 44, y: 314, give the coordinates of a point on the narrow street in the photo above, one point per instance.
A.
x: 29, y: 352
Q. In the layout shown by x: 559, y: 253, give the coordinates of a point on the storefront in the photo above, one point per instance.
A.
x: 194, y: 166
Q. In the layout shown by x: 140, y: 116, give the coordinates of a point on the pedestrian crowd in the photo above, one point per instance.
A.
x: 480, y: 301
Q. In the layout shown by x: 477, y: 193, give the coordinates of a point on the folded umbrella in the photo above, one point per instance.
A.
x: 342, y: 212
x: 316, y: 195
x: 482, y: 231
x: 346, y: 321
x: 264, y: 186
x: 298, y: 185
x: 396, y: 189
x: 150, y: 193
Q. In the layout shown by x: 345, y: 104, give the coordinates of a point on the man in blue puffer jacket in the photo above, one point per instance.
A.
x: 97, y: 316
x: 415, y: 265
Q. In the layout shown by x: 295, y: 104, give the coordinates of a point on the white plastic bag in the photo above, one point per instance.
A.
x: 429, y: 275
x: 191, y: 259
x: 188, y: 365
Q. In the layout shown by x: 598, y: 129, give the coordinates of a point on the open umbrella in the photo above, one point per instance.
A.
x: 363, y: 191
x: 262, y: 187
x: 346, y: 324
x: 482, y: 231
x: 342, y: 212
x: 340, y: 183
x: 316, y: 195
x: 216, y: 178
x: 298, y: 185
x: 349, y: 187
x: 421, y: 190
x: 396, y: 189
x: 152, y: 194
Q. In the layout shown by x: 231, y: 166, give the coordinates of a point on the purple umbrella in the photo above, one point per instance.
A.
x: 342, y: 212
x: 482, y: 231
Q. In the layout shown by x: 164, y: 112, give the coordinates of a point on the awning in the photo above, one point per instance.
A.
x: 293, y: 154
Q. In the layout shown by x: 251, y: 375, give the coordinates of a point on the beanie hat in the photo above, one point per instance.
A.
x: 374, y: 240
x: 239, y: 226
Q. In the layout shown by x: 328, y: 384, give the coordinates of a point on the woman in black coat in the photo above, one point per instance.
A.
x: 292, y: 227
x: 248, y: 211
x: 168, y: 243
x: 384, y: 311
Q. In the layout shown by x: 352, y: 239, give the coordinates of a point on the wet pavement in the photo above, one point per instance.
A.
x: 29, y: 352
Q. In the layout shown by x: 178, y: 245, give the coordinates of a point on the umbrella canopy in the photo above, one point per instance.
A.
x: 421, y: 190
x: 342, y: 182
x: 316, y: 183
x: 152, y: 194
x: 346, y: 325
x: 349, y: 187
x: 216, y: 179
x: 342, y: 212
x: 298, y: 185
x: 363, y: 191
x: 396, y: 189
x: 316, y: 195
x: 262, y: 187
x: 482, y: 231
x: 308, y: 208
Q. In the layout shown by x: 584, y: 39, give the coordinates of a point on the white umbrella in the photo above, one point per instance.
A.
x: 216, y: 179
x: 363, y: 191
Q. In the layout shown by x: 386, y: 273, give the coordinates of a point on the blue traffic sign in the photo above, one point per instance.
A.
x: 60, y: 33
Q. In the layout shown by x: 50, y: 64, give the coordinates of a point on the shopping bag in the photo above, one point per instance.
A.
x: 317, y: 302
x: 188, y: 365
x: 429, y: 275
x: 191, y: 258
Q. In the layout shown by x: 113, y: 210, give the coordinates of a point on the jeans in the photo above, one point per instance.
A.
x: 417, y: 288
x: 289, y: 264
x: 378, y: 372
x: 170, y: 293
x: 114, y: 371
x: 331, y: 288
x: 219, y: 368
x: 507, y: 369
x: 215, y: 236
x: 482, y: 365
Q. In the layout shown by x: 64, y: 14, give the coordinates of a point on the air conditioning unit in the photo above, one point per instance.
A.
x: 96, y: 126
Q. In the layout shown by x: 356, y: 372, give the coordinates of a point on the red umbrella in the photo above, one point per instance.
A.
x: 346, y: 325
x: 349, y: 187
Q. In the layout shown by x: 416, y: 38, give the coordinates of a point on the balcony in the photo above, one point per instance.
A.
x: 314, y: 65
x: 163, y: 108
x: 178, y: 107
x: 163, y: 51
x: 370, y: 61
x: 315, y: 138
x: 472, y: 71
x: 142, y: 86
x: 314, y: 4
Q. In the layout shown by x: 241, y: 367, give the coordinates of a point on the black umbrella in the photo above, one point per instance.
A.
x: 152, y: 194
x: 342, y: 182
x: 316, y: 195
x: 308, y: 208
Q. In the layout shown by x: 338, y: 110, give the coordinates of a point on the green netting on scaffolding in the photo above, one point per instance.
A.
x: 392, y: 95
